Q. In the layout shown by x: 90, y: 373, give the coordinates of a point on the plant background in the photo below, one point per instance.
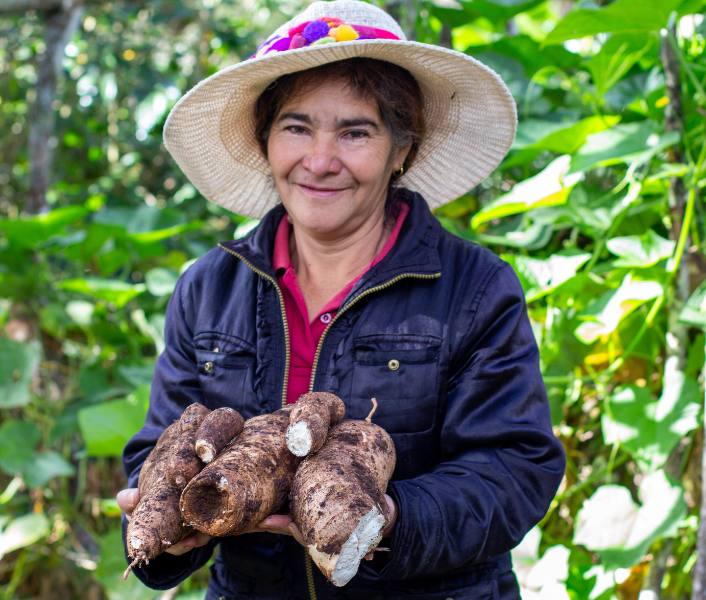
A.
x: 598, y: 207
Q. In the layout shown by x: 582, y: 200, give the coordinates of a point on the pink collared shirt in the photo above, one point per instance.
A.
x: 304, y: 335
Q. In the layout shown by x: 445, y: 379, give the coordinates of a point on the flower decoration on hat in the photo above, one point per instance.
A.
x: 325, y: 30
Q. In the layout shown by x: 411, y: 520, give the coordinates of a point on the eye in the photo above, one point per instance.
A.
x: 356, y: 134
x: 296, y: 129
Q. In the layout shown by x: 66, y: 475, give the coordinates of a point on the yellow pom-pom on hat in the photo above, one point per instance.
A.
x: 343, y: 33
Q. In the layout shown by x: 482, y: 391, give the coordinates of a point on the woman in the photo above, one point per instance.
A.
x: 343, y: 135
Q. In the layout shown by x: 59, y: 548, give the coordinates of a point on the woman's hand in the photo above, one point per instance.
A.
x: 127, y: 500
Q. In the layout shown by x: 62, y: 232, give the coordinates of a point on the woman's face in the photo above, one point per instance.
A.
x: 331, y: 158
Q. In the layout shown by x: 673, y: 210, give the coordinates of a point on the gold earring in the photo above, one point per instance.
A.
x: 399, y: 172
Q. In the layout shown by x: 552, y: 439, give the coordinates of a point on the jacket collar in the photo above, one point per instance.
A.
x: 415, y: 251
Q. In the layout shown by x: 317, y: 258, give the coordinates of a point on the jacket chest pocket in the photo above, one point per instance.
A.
x: 225, y: 364
x: 402, y: 373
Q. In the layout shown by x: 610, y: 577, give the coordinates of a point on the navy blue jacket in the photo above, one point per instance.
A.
x: 438, y: 333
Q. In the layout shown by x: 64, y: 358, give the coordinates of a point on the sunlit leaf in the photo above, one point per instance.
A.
x: 627, y: 143
x: 540, y: 277
x: 694, y: 311
x: 627, y: 16
x: 649, y: 429
x: 114, y: 291
x: 616, y: 57
x: 107, y: 427
x: 80, y: 311
x: 22, y: 532
x: 29, y: 232
x: 18, y: 364
x: 548, y: 188
x: 640, y: 251
x: 605, y: 314
x: 160, y: 281
x: 613, y: 525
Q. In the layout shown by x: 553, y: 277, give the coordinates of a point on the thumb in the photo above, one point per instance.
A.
x: 127, y: 499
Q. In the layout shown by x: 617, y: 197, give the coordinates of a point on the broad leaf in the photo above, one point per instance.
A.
x: 18, y: 440
x: 615, y: 59
x: 107, y: 427
x: 30, y: 232
x: 114, y: 291
x: 626, y: 16
x: 23, y: 531
x: 160, y: 281
x: 548, y: 188
x: 640, y: 251
x: 18, y: 364
x: 648, y: 428
x: 540, y: 277
x: 694, y: 311
x: 605, y: 314
x: 611, y: 524
x: 44, y: 467
x: 627, y: 143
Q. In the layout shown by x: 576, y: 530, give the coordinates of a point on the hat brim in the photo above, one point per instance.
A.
x: 470, y: 122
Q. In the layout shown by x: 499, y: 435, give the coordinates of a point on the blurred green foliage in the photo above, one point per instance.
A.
x: 613, y: 274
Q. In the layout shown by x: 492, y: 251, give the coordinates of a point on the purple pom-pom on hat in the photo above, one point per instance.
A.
x: 315, y: 31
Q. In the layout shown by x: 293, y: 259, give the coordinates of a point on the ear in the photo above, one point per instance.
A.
x: 399, y: 156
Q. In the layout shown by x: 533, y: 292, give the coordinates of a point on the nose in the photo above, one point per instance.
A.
x: 322, y: 158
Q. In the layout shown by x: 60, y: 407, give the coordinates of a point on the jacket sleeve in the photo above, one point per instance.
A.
x: 175, y: 386
x: 501, y: 464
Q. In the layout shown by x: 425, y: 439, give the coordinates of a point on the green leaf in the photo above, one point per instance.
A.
x: 114, y: 291
x: 626, y: 143
x: 29, y: 232
x: 620, y: 531
x: 605, y: 314
x: 541, y: 277
x: 616, y: 57
x: 44, y: 467
x: 160, y: 281
x: 22, y: 532
x: 648, y: 428
x: 624, y: 16
x: 640, y: 251
x: 547, y: 188
x: 107, y: 427
x: 694, y: 311
x: 18, y: 363
x: 18, y: 440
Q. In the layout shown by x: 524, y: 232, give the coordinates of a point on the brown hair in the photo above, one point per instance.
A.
x: 394, y: 89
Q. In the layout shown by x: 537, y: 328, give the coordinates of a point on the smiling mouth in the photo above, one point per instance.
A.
x: 320, y: 191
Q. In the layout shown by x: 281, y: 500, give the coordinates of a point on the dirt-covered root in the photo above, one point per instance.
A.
x: 218, y: 428
x: 182, y: 461
x: 338, y: 497
x: 310, y: 420
x: 247, y: 481
x: 156, y: 523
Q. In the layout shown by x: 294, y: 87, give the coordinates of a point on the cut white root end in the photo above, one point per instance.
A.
x: 342, y: 567
x: 205, y: 451
x: 298, y: 438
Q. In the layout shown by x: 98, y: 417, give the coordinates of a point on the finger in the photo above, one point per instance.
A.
x: 296, y: 534
x: 188, y: 543
x: 127, y: 500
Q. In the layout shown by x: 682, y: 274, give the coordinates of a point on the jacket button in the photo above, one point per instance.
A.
x: 393, y: 364
x: 208, y: 367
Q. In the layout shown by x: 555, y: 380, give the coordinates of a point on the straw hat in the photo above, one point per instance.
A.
x: 470, y: 114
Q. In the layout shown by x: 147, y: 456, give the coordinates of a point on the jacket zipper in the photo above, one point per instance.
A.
x: 273, y: 281
x: 377, y: 288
